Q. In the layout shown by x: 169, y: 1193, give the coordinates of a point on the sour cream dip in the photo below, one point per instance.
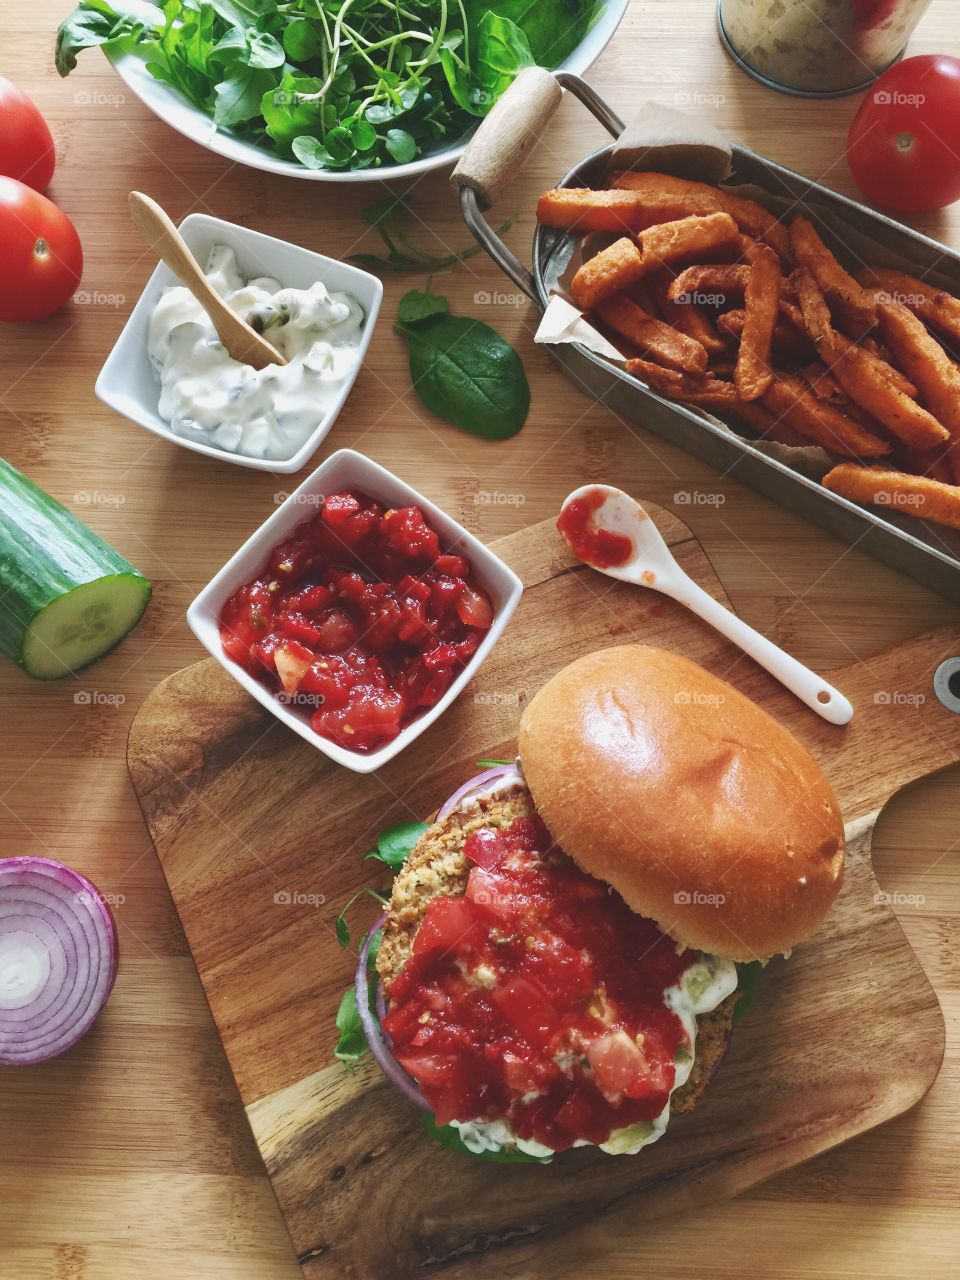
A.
x: 210, y: 398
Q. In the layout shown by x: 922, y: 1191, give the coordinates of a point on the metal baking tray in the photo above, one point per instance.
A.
x: 927, y: 552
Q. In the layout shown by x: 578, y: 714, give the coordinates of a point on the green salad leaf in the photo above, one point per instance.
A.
x: 465, y: 372
x: 749, y: 979
x: 334, y: 84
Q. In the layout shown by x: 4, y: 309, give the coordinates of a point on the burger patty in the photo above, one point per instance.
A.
x: 437, y: 867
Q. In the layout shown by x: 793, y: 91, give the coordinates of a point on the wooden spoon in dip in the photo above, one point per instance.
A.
x: 242, y: 342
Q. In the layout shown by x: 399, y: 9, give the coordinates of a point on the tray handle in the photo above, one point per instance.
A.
x: 497, y: 151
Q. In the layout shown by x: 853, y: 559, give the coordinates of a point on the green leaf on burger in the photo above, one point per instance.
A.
x: 748, y: 976
x: 449, y: 1137
x: 341, y: 926
x: 396, y: 843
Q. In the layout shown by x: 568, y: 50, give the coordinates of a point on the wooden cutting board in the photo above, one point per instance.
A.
x: 260, y: 838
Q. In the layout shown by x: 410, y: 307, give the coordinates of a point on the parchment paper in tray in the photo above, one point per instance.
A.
x: 668, y: 141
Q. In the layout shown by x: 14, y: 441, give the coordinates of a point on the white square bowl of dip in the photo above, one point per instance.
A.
x: 127, y: 382
x: 347, y: 469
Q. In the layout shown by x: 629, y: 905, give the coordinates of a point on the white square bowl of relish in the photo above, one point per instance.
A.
x: 349, y: 470
x: 128, y: 383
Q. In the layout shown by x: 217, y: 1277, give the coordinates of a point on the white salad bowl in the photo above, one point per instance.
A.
x: 127, y: 382
x: 347, y: 469
x: 193, y: 123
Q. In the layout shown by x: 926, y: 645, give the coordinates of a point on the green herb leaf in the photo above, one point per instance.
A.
x: 502, y: 53
x: 312, y: 153
x: 266, y: 51
x: 301, y: 40
x: 352, y: 1044
x: 490, y: 764
x: 239, y: 94
x: 465, y: 373
x: 415, y: 307
x: 749, y: 979
x: 341, y: 927
x: 449, y: 1137
x: 285, y: 114
x: 97, y: 23
x: 396, y: 844
x: 553, y: 31
x: 401, y: 145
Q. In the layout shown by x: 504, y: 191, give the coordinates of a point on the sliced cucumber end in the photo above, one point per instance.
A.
x: 81, y: 626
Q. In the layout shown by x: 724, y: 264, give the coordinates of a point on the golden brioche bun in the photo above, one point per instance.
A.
x: 703, y: 812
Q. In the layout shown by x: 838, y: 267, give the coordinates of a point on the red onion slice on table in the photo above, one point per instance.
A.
x: 376, y: 1038
x: 58, y: 958
x: 508, y: 773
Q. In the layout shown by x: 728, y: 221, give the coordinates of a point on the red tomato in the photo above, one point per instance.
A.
x: 40, y: 254
x: 903, y: 147
x: 26, y: 147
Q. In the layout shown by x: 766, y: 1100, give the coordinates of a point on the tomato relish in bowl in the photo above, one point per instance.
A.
x: 359, y: 618
x: 538, y: 1008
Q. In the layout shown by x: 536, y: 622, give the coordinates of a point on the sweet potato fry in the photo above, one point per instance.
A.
x: 754, y: 369
x: 651, y: 336
x: 852, y: 302
x: 864, y: 379
x: 935, y: 307
x: 715, y: 282
x: 934, y: 463
x: 608, y: 272
x: 834, y: 347
x: 897, y: 491
x: 813, y: 307
x: 790, y: 399
x: 683, y: 197
x: 687, y: 238
x: 582, y: 209
x: 669, y: 382
x: 788, y: 340
x: 714, y: 396
x: 925, y: 362
x: 687, y: 317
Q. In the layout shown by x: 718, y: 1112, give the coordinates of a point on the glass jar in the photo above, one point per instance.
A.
x: 817, y: 48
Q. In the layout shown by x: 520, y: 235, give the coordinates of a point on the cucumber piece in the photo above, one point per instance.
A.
x: 66, y: 597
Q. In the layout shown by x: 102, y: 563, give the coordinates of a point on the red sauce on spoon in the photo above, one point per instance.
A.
x: 598, y: 547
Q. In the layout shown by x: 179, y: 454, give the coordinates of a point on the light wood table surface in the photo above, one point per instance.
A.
x: 130, y: 1156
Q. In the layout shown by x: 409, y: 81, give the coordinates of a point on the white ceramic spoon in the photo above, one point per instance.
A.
x: 652, y: 565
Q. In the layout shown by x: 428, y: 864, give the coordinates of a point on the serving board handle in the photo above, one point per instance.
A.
x: 500, y: 146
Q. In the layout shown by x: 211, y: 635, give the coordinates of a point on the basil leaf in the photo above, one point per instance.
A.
x: 396, y: 843
x: 465, y: 373
x: 415, y: 307
x: 749, y: 979
x: 352, y: 1044
x: 502, y: 53
x: 449, y: 1137
x: 239, y: 94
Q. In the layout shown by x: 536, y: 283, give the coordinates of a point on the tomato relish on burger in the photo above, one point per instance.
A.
x: 559, y: 957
